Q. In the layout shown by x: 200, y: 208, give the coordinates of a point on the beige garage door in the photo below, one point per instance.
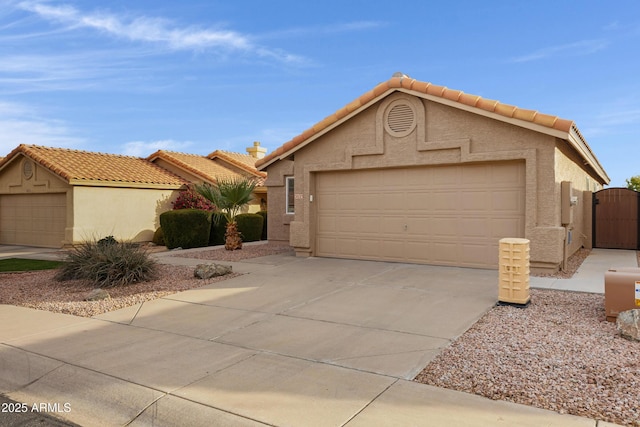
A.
x: 33, y: 219
x: 444, y: 215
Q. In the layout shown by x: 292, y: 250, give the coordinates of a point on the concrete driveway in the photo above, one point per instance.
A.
x: 294, y: 341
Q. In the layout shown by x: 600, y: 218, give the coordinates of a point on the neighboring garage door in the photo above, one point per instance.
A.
x: 33, y: 219
x: 444, y: 215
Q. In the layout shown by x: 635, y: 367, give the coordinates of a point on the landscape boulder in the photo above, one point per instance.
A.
x: 207, y: 271
x: 97, y: 295
x: 628, y: 324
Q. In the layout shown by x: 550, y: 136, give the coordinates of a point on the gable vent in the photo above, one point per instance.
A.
x: 400, y: 119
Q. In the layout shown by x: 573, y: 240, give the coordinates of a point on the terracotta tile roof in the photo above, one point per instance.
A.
x: 77, y: 166
x: 204, y: 167
x: 407, y: 84
x: 243, y: 161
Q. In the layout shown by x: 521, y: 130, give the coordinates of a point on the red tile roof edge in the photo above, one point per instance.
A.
x: 32, y: 152
x: 410, y: 84
x: 224, y: 156
x: 167, y: 156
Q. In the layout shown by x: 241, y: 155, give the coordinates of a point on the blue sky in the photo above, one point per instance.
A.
x: 131, y: 77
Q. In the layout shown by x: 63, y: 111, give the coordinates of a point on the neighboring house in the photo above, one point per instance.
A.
x: 53, y: 196
x: 414, y: 172
x: 217, y: 165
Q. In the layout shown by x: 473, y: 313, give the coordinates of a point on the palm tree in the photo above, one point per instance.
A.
x: 229, y: 196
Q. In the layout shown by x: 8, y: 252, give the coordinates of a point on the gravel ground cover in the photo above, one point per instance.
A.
x: 559, y: 354
x: 247, y: 252
x: 39, y: 289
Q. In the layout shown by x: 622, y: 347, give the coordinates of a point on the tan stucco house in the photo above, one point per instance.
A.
x: 52, y: 197
x: 414, y: 172
x: 217, y: 165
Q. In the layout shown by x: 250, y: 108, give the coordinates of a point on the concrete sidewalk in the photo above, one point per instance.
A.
x: 294, y: 341
x: 30, y: 252
x: 590, y: 275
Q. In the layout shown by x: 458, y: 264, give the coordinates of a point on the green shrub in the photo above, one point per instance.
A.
x: 109, y: 240
x: 250, y: 225
x: 158, y: 237
x: 263, y: 214
x: 217, y: 231
x: 108, y: 263
x: 186, y: 228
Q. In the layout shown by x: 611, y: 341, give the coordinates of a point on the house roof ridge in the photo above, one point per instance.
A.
x: 401, y: 81
x: 61, y: 166
x: 187, y: 166
x: 251, y: 169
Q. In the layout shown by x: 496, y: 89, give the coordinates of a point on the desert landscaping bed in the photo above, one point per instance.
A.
x: 40, y: 290
x: 248, y: 251
x: 559, y: 353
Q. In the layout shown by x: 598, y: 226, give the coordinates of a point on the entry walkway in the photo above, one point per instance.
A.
x: 590, y: 275
x: 294, y: 341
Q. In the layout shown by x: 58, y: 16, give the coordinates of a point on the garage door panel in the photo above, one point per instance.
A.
x: 418, y: 227
x: 507, y: 201
x: 445, y: 253
x: 478, y: 254
x: 449, y: 215
x: 475, y: 227
x: 33, y: 219
x: 389, y: 225
x: 441, y: 201
x: 326, y: 224
x: 445, y: 227
x: 503, y: 227
x: 326, y: 245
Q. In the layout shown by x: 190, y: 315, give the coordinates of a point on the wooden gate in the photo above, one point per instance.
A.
x: 616, y: 224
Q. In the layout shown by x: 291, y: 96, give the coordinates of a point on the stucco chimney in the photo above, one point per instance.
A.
x: 256, y: 151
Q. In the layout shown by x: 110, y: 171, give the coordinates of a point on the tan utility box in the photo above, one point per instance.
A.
x: 621, y: 291
x: 513, y: 271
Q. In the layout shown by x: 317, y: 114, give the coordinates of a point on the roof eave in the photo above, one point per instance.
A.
x: 573, y: 136
x: 233, y: 162
x: 576, y: 140
x: 322, y: 131
x: 124, y: 184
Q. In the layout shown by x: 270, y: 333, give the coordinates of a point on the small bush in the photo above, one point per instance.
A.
x: 191, y: 199
x: 218, y: 231
x: 263, y: 214
x: 250, y: 225
x: 158, y: 237
x: 108, y: 263
x: 186, y: 228
x: 109, y: 240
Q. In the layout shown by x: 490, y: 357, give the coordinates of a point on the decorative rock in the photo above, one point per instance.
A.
x: 97, y: 295
x: 207, y: 271
x: 628, y: 324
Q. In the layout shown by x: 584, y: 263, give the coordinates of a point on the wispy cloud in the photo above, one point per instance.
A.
x: 20, y: 124
x: 346, y: 27
x: 145, y: 148
x: 156, y: 30
x: 624, y: 117
x: 584, y: 47
x: 31, y: 72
